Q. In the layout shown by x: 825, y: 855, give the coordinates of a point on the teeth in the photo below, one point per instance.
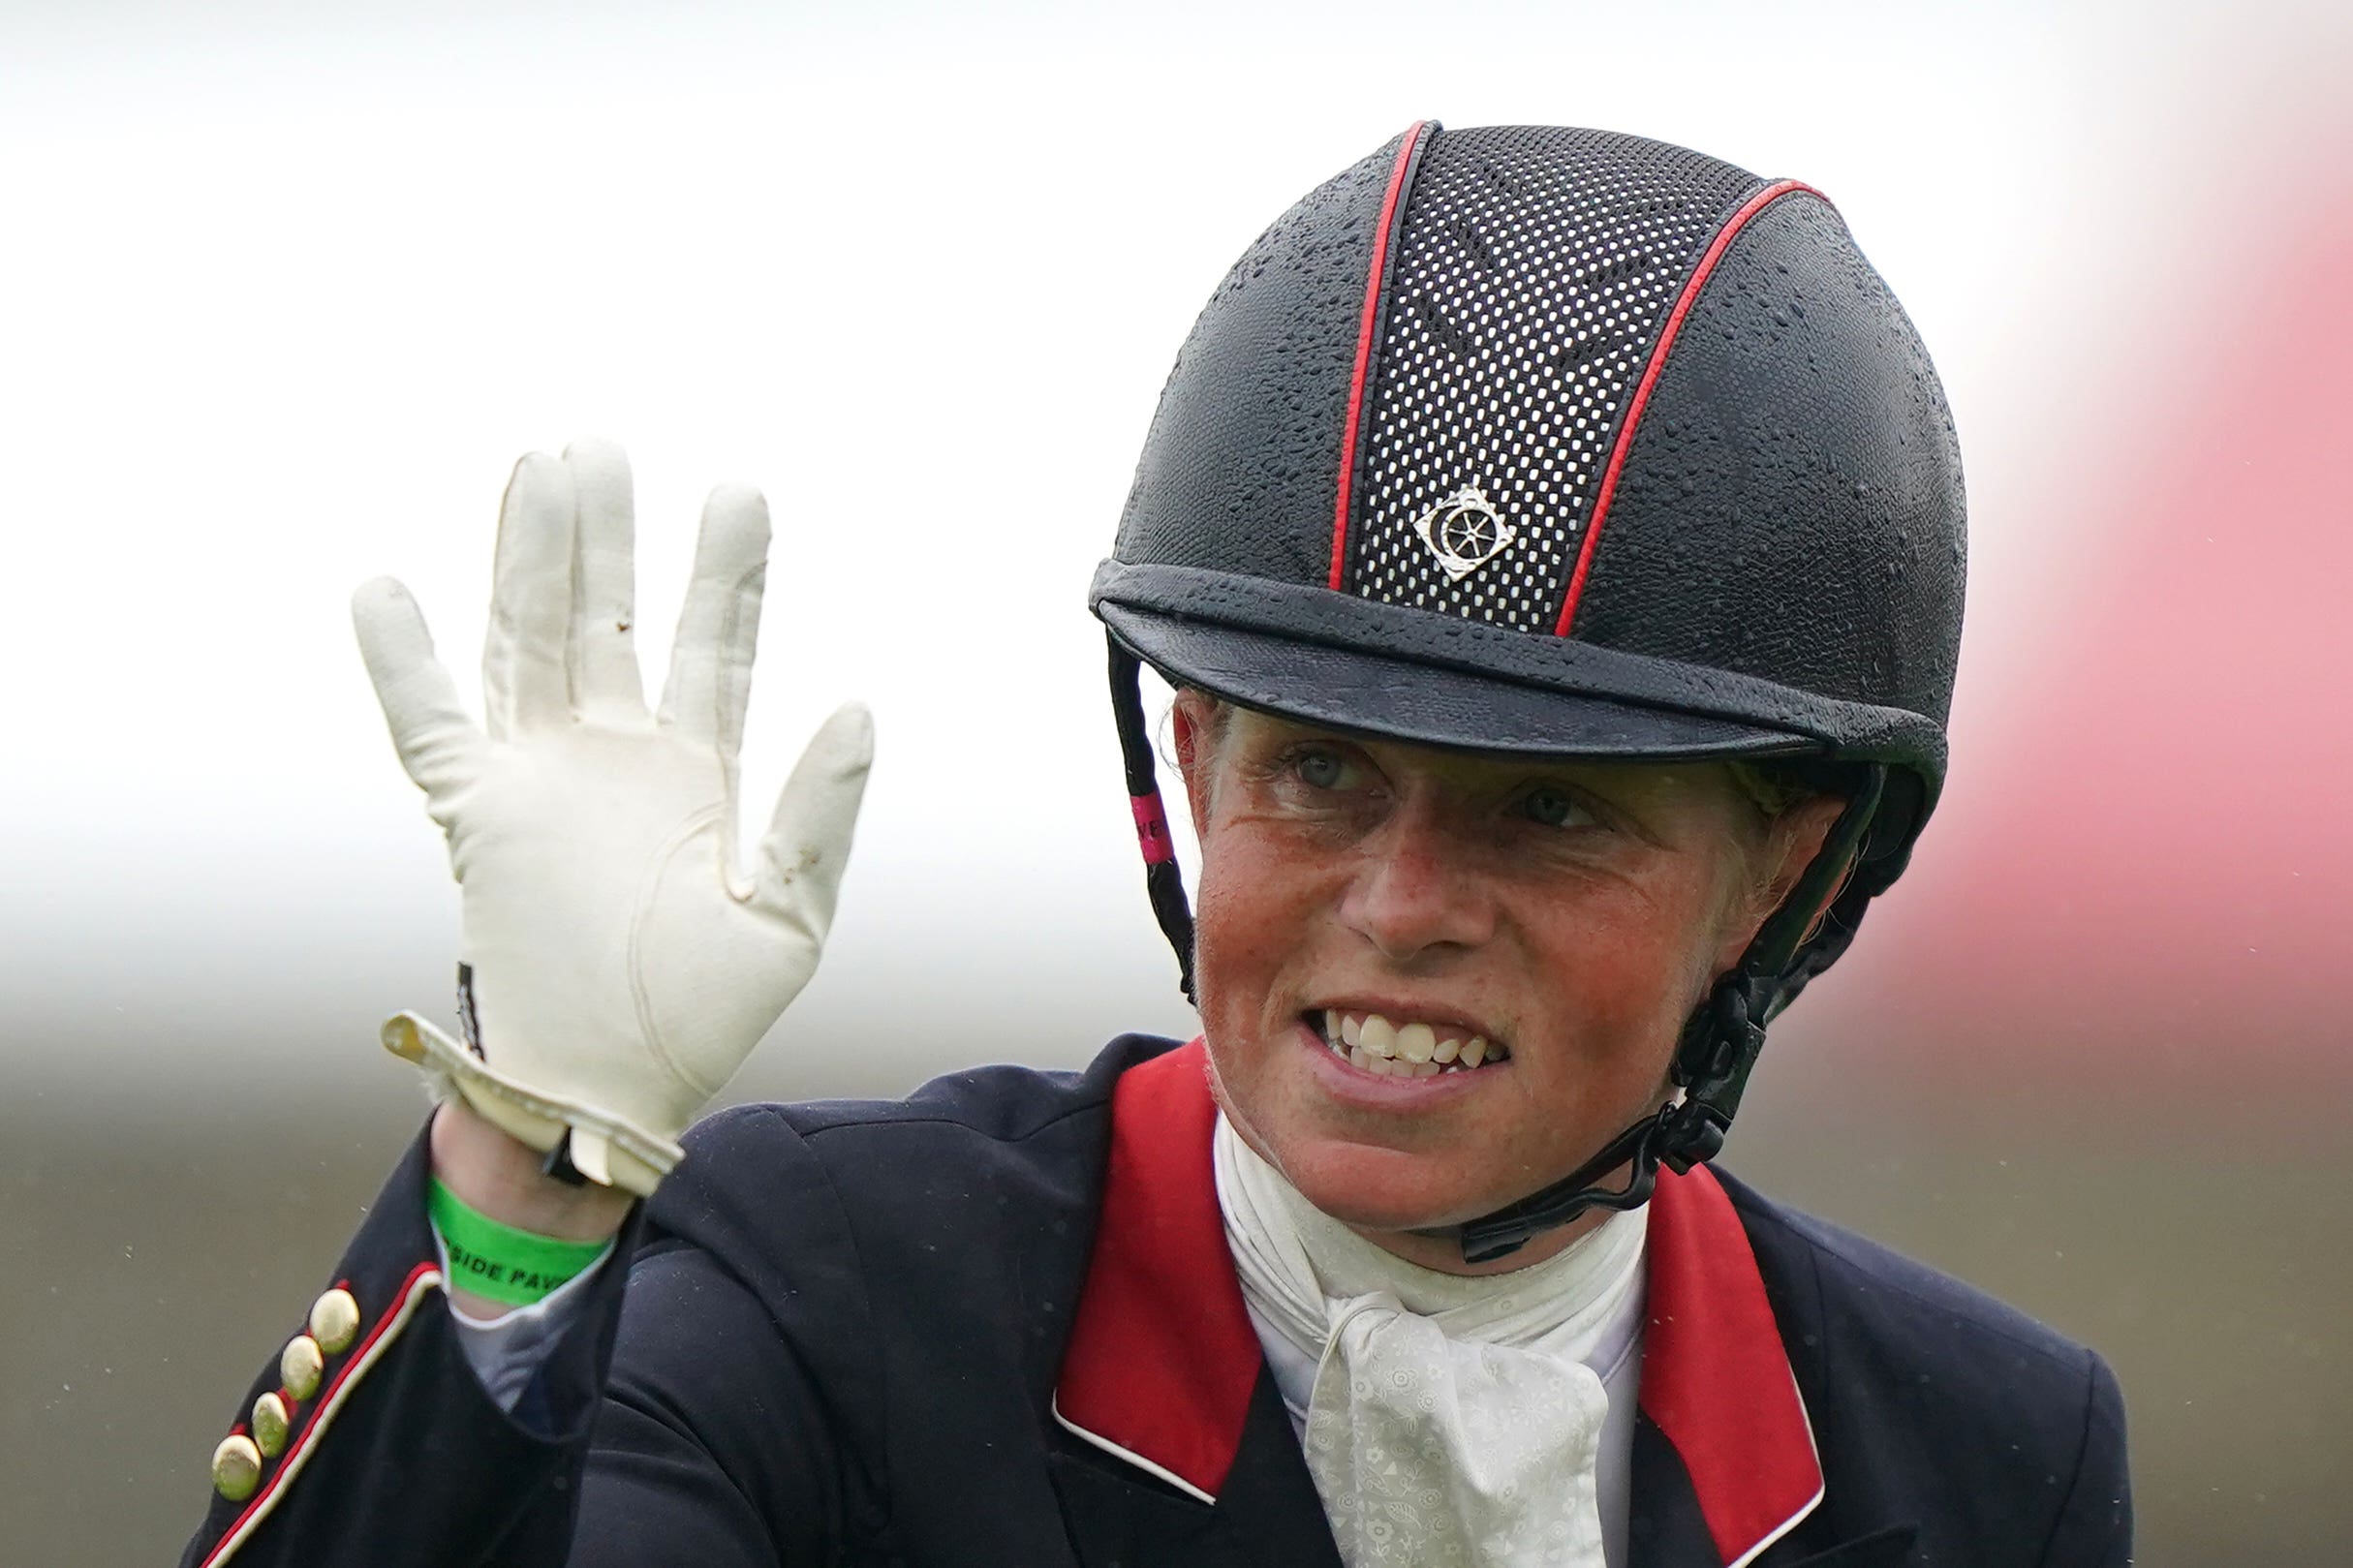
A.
x: 1371, y: 1043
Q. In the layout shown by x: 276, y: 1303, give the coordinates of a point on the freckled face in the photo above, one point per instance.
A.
x: 1572, y: 913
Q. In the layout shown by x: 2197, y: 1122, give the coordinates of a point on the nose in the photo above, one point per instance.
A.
x: 1418, y: 895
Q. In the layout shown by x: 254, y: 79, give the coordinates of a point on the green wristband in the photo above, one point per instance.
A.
x: 497, y: 1261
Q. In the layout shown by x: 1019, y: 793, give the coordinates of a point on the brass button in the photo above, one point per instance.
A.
x: 299, y: 1368
x: 236, y: 1467
x: 334, y: 1320
x: 269, y: 1422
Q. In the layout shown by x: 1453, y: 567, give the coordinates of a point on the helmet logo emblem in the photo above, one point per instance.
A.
x: 1465, y: 531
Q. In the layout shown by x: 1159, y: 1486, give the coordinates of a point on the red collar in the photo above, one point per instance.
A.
x: 1162, y: 1358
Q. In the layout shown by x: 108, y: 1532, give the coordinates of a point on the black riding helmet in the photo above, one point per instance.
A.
x: 1574, y: 444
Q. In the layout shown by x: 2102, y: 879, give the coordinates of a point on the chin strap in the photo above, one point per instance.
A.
x: 1721, y: 1040
x: 1719, y: 1047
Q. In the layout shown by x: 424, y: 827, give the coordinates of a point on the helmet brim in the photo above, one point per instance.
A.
x: 1428, y: 704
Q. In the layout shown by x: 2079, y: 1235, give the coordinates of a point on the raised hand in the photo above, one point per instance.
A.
x: 621, y: 963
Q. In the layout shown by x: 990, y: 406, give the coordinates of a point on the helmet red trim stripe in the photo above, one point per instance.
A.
x: 1650, y: 377
x: 1376, y: 278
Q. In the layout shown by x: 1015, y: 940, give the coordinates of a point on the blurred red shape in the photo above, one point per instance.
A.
x: 2145, y: 862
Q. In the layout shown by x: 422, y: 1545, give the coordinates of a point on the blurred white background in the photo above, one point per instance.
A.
x: 288, y: 288
x: 294, y: 286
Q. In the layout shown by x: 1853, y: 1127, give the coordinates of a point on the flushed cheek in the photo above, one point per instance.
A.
x: 1599, y: 1042
x: 1617, y: 971
x: 1620, y: 1019
x: 1246, y: 1043
x: 1254, y: 930
x: 1600, y: 1078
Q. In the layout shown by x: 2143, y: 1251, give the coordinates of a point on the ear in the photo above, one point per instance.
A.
x: 1195, y: 730
x: 1791, y: 842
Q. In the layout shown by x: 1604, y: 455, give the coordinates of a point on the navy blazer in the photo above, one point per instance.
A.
x: 997, y: 1323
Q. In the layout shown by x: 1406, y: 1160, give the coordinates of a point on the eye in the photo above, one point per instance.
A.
x: 1320, y: 769
x: 1554, y: 806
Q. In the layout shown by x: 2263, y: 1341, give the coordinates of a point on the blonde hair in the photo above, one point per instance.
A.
x: 1772, y: 787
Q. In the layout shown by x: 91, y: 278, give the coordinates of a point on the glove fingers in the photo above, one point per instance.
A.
x: 710, y: 680
x: 438, y: 744
x: 526, y: 684
x: 807, y: 845
x: 603, y: 651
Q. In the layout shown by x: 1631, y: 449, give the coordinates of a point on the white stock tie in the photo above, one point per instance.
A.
x: 1452, y: 1421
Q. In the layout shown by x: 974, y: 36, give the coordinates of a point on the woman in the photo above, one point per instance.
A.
x: 1556, y: 540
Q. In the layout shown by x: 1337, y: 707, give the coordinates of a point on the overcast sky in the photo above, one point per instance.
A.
x: 289, y: 289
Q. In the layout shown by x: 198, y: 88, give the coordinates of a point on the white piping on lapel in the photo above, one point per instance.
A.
x: 1137, y: 1460
x: 1821, y: 1487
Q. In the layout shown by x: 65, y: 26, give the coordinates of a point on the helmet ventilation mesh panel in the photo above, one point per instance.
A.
x: 1533, y: 273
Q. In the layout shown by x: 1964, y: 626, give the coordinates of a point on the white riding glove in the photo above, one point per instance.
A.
x: 622, y: 966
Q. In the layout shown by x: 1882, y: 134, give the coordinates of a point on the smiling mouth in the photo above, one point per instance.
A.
x: 1388, y: 1049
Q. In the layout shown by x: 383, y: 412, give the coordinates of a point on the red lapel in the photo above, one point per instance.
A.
x: 1714, y: 1376
x: 1162, y: 1358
